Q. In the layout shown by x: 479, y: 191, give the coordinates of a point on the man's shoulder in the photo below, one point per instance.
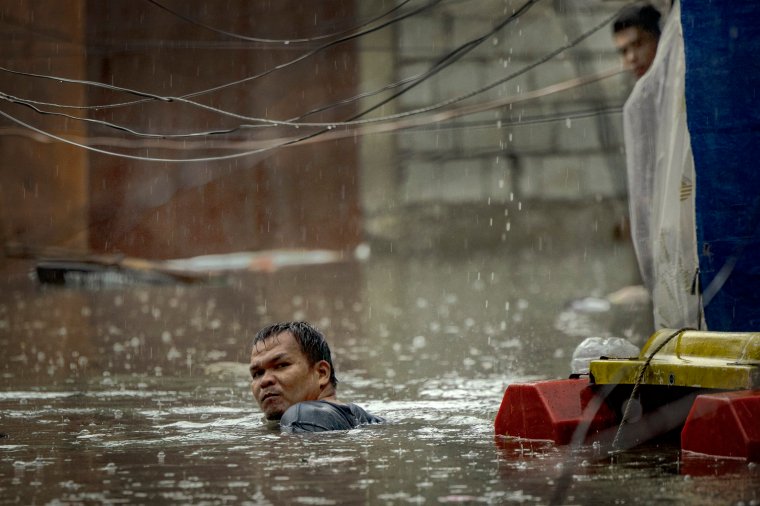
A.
x: 319, y: 416
x: 361, y: 415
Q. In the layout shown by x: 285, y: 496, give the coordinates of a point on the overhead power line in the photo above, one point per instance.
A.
x: 439, y: 65
x: 404, y: 123
x: 287, y: 41
x: 325, y: 127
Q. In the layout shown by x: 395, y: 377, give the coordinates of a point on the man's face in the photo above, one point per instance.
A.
x: 282, y: 376
x: 637, y: 48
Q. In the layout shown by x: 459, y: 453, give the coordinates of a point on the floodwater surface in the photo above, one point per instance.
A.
x: 139, y: 394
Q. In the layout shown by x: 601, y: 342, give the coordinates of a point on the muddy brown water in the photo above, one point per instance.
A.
x: 138, y: 394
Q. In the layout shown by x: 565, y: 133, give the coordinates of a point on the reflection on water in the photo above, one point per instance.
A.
x: 140, y: 395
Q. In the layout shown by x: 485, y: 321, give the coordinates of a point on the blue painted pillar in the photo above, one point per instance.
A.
x: 722, y: 46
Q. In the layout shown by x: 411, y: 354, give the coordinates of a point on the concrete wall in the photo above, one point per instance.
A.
x: 508, y: 154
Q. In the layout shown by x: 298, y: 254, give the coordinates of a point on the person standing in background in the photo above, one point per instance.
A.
x: 636, y: 33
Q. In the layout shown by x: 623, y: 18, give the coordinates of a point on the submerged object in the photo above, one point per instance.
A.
x: 95, y: 275
x: 701, y: 386
x: 550, y: 410
x: 58, y: 266
x: 594, y: 347
x: 725, y: 425
x: 691, y: 358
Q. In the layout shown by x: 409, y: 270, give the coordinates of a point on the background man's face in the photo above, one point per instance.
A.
x: 637, y: 48
x: 281, y: 375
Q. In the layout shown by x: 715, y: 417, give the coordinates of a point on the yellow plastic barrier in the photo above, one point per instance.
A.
x: 698, y: 359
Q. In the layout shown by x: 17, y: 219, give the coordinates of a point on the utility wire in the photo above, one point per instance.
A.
x: 480, y: 125
x: 131, y: 157
x: 637, y: 384
x: 524, y: 120
x: 392, y: 117
x: 442, y: 63
x: 443, y: 103
x: 450, y: 58
x: 487, y: 87
x: 453, y: 56
x: 116, y: 126
x: 365, y: 130
x: 439, y: 65
x: 331, y: 125
x: 414, y: 12
x: 275, y: 41
x: 95, y: 84
x: 185, y: 98
x: 411, y: 79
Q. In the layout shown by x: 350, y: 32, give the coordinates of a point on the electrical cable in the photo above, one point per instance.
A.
x: 525, y: 120
x: 275, y: 41
x: 453, y: 100
x: 637, y: 384
x: 134, y: 157
x: 391, y: 117
x: 401, y: 17
x: 185, y: 98
x: 95, y: 84
x: 365, y: 130
x: 116, y: 126
x: 453, y: 56
x: 442, y: 63
x: 386, y: 118
x: 496, y: 123
x: 489, y: 86
x: 458, y: 52
x: 439, y: 65
x: 380, y: 119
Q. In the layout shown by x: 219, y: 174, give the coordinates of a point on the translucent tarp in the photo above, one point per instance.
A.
x: 661, y: 183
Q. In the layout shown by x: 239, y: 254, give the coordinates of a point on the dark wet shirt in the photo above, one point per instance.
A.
x: 320, y: 416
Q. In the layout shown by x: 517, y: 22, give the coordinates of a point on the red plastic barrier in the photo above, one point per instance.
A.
x: 549, y: 410
x: 724, y: 425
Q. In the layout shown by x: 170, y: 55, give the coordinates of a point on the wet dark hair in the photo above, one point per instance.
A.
x: 643, y: 16
x: 311, y: 341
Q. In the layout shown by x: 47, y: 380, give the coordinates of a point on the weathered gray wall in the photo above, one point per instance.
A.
x: 499, y: 157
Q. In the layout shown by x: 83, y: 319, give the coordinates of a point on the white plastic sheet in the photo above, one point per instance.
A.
x: 592, y: 348
x: 661, y: 182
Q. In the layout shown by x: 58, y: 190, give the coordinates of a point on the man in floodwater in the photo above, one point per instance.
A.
x: 636, y: 32
x: 293, y: 380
